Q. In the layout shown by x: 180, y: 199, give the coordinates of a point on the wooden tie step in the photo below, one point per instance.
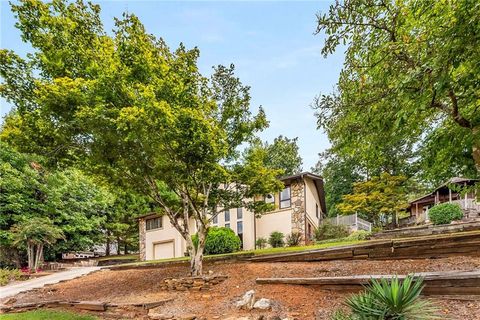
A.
x: 436, y: 283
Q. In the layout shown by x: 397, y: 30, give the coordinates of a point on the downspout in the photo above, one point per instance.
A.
x: 254, y: 231
x: 305, y: 207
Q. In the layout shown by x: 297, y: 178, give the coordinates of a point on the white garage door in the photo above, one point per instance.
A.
x: 163, y: 250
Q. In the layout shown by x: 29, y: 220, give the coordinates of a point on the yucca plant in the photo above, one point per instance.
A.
x: 391, y: 300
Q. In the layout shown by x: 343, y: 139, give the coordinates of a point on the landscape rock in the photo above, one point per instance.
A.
x: 263, y: 304
x: 247, y: 301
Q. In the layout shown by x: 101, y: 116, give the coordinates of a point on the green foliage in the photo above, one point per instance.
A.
x: 261, y: 243
x: 282, y: 154
x: 294, y: 239
x: 7, y: 275
x: 219, y: 241
x: 445, y: 213
x: 46, y: 315
x: 339, y: 175
x: 359, y: 235
x: 124, y: 105
x: 34, y: 234
x: 327, y: 231
x: 86, y: 210
x: 394, y: 299
x: 410, y: 68
x: 381, y: 195
x: 276, y: 239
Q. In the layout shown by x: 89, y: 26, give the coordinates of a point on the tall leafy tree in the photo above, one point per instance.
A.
x: 380, y: 196
x: 282, y: 154
x: 35, y: 234
x: 339, y: 175
x: 132, y: 109
x: 411, y: 74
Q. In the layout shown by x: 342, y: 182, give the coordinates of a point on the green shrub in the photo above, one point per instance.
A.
x: 394, y: 299
x: 219, y: 241
x: 294, y: 239
x: 330, y: 231
x: 445, y: 213
x: 276, y: 239
x: 359, y: 235
x: 261, y: 243
x: 7, y: 275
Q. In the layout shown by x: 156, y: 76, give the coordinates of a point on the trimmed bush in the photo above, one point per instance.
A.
x: 276, y: 239
x: 261, y: 243
x: 330, y: 231
x: 359, y: 235
x: 220, y: 240
x: 7, y: 275
x: 445, y: 213
x: 294, y: 239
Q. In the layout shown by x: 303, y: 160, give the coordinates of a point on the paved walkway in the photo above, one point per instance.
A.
x: 11, y: 290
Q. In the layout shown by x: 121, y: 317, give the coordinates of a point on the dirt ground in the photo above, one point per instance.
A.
x: 300, y: 302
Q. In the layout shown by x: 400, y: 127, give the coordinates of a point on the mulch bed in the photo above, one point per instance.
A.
x: 301, y: 302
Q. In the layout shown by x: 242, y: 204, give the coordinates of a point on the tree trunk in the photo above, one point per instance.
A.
x: 30, y: 256
x: 125, y: 247
x: 196, y: 262
x: 118, y: 246
x: 196, y: 258
x: 476, y: 147
x: 107, y: 248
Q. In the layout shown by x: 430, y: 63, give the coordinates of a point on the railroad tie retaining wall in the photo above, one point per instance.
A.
x: 459, y: 244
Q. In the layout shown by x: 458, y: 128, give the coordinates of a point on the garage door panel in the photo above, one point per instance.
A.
x: 163, y: 250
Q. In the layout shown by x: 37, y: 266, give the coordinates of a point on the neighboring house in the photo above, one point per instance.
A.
x: 299, y: 207
x: 418, y: 208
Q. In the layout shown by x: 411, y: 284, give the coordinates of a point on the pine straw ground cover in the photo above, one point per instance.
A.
x: 301, y: 302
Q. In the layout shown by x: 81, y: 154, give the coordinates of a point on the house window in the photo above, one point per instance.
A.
x: 285, y: 198
x: 227, y: 215
x: 227, y: 225
x: 215, y: 219
x: 316, y: 211
x: 270, y: 198
x: 239, y: 213
x: 155, y: 223
x: 240, y: 231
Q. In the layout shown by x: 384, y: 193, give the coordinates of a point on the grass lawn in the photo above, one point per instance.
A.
x: 46, y: 315
x: 257, y: 252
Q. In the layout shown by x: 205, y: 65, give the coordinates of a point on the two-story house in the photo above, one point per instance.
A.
x: 299, y: 207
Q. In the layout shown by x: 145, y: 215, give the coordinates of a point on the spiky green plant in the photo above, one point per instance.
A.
x: 392, y: 300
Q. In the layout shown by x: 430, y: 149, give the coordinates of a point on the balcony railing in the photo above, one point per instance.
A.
x: 353, y: 221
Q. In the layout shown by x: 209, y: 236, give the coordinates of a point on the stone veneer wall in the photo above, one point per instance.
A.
x: 142, y: 226
x: 297, y: 189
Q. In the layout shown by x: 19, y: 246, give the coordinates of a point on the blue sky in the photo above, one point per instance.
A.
x: 271, y: 44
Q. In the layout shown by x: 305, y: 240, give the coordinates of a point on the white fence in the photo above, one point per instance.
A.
x: 353, y: 221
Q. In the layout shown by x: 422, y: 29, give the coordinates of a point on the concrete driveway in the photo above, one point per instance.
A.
x: 11, y: 290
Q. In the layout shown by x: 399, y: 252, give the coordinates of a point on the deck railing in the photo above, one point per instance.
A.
x: 353, y: 221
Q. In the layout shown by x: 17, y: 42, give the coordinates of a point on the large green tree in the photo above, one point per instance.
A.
x: 282, y: 154
x: 132, y: 109
x: 72, y: 202
x: 339, y: 175
x: 410, y: 80
x: 379, y: 198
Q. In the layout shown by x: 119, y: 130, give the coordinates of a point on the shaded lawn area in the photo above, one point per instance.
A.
x: 326, y: 244
x: 46, y: 315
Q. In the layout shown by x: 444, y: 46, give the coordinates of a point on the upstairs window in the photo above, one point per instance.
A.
x: 285, y: 199
x: 239, y: 213
x: 317, y: 211
x: 155, y: 223
x: 227, y: 215
x: 215, y: 219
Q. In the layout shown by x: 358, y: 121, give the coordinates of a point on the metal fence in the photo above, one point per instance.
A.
x: 353, y: 221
